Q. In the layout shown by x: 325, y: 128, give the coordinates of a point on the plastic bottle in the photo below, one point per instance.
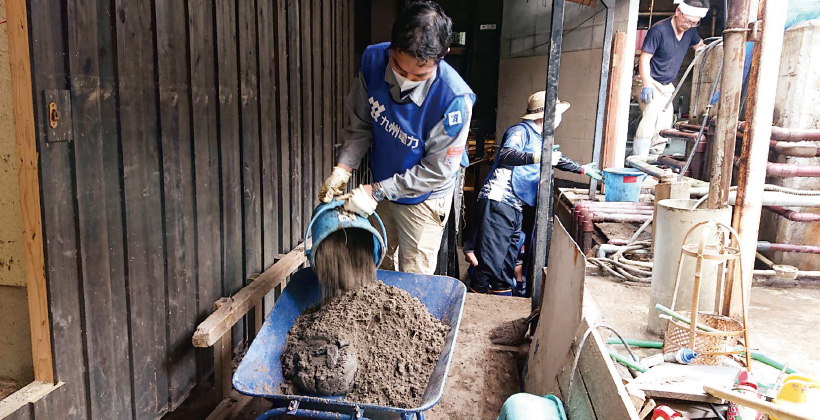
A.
x: 683, y: 356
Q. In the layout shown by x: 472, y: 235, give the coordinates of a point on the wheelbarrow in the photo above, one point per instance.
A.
x: 260, y: 373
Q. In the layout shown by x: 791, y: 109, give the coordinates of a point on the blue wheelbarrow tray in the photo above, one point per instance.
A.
x: 260, y: 372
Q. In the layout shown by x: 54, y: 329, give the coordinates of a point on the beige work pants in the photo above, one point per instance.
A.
x: 655, y: 118
x: 414, y: 233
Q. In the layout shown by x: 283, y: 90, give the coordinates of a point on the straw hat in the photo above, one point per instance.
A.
x: 535, y: 107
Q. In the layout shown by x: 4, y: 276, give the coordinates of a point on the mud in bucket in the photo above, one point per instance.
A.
x: 330, y: 217
x: 623, y: 184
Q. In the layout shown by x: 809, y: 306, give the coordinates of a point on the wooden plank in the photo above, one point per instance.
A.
x: 283, y: 121
x: 295, y: 122
x: 613, y: 107
x: 143, y: 207
x: 251, y: 160
x: 327, y: 92
x: 685, y: 382
x: 209, y: 331
x: 317, y: 55
x: 29, y: 185
x: 229, y: 126
x: 606, y: 391
x: 99, y: 209
x: 561, y: 311
x: 58, y: 215
x: 18, y: 404
x: 306, y: 45
x: 230, y: 407
x: 178, y: 180
x: 223, y: 353
x: 580, y: 406
x: 208, y: 222
x: 269, y: 136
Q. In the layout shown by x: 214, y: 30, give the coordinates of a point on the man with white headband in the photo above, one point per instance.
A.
x: 662, y: 54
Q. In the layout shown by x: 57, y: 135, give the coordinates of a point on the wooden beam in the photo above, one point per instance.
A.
x: 223, y: 353
x: 613, y: 107
x: 221, y: 321
x: 230, y: 407
x: 25, y: 396
x: 29, y: 181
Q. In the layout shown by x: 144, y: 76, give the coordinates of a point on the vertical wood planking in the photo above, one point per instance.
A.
x: 307, y: 123
x: 178, y: 182
x: 29, y: 185
x: 143, y: 207
x: 317, y: 55
x: 328, y: 122
x: 283, y: 122
x: 59, y: 217
x: 268, y: 131
x: 99, y: 207
x: 295, y: 125
x: 229, y: 130
x: 205, y: 136
x: 251, y: 159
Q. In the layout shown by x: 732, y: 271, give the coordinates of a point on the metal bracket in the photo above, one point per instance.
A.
x: 58, y: 115
x: 754, y: 31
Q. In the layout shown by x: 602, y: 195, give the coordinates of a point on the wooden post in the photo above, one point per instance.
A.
x: 613, y: 115
x: 222, y: 360
x: 29, y: 181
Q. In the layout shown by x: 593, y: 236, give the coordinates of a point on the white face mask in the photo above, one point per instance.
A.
x: 404, y: 83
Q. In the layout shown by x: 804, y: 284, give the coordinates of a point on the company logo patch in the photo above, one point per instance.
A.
x: 454, y: 117
x: 453, y: 156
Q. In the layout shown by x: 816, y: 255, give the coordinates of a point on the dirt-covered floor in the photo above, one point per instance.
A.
x: 782, y: 321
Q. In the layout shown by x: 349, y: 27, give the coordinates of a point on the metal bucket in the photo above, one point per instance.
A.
x: 673, y: 220
x: 331, y: 217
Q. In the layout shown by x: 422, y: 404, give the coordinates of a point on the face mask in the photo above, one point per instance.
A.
x: 404, y: 83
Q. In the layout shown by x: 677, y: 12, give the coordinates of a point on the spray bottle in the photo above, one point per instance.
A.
x: 683, y: 356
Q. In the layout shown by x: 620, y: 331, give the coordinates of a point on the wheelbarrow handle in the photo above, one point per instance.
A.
x: 276, y: 413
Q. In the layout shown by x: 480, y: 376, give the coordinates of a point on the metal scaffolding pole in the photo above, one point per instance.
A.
x: 731, y: 85
x: 544, y: 210
x: 755, y: 153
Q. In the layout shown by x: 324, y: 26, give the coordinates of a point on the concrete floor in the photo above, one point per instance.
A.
x: 782, y: 321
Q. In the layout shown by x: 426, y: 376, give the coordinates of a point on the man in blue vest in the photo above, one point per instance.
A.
x: 493, y: 247
x: 414, y: 110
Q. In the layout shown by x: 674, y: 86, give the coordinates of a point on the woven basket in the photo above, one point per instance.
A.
x: 711, y: 347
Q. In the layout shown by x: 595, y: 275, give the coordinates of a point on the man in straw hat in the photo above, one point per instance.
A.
x: 493, y: 248
x: 662, y: 54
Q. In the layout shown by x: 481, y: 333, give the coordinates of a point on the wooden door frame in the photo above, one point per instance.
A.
x: 29, y: 183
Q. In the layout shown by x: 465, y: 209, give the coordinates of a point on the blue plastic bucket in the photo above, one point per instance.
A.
x: 330, y: 217
x: 623, y: 184
x: 524, y: 406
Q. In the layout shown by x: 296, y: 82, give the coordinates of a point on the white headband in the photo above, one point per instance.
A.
x: 691, y: 10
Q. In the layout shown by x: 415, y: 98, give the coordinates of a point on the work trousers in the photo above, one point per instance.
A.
x: 655, y: 118
x: 414, y: 233
x: 496, y: 245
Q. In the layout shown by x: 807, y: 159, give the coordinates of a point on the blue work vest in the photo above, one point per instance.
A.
x: 399, y: 129
x: 525, y: 177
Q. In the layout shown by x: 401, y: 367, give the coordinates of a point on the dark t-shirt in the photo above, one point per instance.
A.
x: 667, y: 52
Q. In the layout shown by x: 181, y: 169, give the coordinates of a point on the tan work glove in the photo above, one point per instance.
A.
x: 556, y: 157
x: 536, y: 158
x: 334, y: 185
x: 361, y: 202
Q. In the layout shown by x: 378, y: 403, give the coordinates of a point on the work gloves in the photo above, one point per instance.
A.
x: 361, y: 202
x: 334, y: 185
x: 556, y: 156
x: 592, y: 172
x: 647, y: 94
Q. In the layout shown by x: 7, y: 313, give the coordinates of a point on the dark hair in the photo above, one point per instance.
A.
x: 422, y: 30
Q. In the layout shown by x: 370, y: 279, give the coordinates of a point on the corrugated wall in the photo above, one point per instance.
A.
x: 201, y: 131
